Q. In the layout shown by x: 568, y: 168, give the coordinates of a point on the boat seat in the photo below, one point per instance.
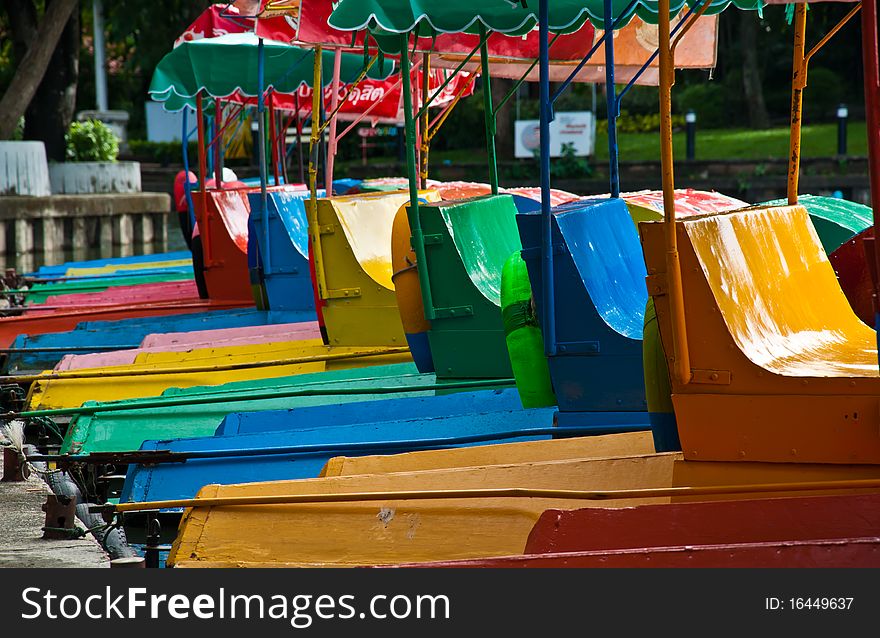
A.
x: 284, y: 264
x: 600, y: 304
x: 355, y: 236
x: 782, y: 368
x: 466, y: 245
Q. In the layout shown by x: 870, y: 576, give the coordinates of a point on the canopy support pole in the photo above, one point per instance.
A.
x: 334, y: 105
x: 549, y: 301
x: 489, y: 111
x: 261, y: 132
x: 299, y: 144
x: 611, y: 102
x: 218, y: 143
x: 424, y: 125
x: 680, y: 354
x: 314, y: 151
x: 871, y: 64
x: 798, y: 82
x: 203, y: 170
x: 415, y: 223
x: 187, y: 185
x: 273, y: 138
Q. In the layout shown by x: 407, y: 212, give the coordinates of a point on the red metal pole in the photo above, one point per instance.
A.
x: 872, y: 98
x: 203, y: 169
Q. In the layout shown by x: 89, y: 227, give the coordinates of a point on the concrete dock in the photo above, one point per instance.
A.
x: 21, y: 522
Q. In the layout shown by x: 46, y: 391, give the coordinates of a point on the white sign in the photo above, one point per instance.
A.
x: 577, y: 128
x: 163, y: 126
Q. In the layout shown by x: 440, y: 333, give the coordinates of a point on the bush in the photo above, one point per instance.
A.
x: 708, y: 101
x: 91, y: 141
x: 825, y: 90
x: 648, y: 123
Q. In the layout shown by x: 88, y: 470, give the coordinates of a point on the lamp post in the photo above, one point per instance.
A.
x: 842, y: 116
x: 690, y: 120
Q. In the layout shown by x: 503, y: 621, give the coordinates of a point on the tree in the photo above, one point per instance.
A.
x: 54, y: 105
x: 751, y: 75
x: 33, y: 65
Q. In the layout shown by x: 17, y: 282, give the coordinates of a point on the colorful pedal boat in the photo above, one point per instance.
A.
x: 43, y: 351
x: 198, y: 411
x: 320, y: 433
x: 60, y: 270
x: 183, y: 341
x: 38, y: 293
x: 62, y: 320
x: 807, y: 531
x: 154, y: 372
x: 408, y: 529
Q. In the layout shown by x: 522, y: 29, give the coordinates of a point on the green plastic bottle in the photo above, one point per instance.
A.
x: 525, y: 344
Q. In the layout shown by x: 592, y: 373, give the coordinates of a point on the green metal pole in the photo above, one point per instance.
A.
x: 415, y: 223
x: 490, y: 112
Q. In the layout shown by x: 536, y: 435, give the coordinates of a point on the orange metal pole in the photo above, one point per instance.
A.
x: 798, y: 82
x: 680, y: 354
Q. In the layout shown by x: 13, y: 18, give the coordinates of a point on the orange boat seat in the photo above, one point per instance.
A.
x: 782, y: 370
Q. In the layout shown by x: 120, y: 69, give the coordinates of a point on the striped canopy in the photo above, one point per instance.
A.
x: 226, y: 66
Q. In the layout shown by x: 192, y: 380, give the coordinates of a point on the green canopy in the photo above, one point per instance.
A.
x: 504, y: 16
x: 227, y: 65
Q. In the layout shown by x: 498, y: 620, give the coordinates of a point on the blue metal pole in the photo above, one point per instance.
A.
x: 261, y: 109
x: 611, y: 101
x: 549, y: 310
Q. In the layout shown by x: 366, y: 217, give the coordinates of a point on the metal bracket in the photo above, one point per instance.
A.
x: 656, y: 284
x: 710, y: 377
x: 432, y: 239
x: 327, y: 229
x: 577, y: 347
x: 342, y: 293
x: 453, y: 312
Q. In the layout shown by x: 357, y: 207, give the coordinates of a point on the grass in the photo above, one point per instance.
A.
x: 817, y: 140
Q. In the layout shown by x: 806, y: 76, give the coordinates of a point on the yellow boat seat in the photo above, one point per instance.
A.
x: 409, y: 530
x: 782, y: 369
x: 355, y: 235
x: 70, y: 389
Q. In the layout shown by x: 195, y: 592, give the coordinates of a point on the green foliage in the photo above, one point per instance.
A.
x: 569, y: 165
x: 825, y: 90
x: 164, y: 153
x: 708, y: 101
x: 91, y: 141
x: 647, y: 123
x: 18, y: 133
